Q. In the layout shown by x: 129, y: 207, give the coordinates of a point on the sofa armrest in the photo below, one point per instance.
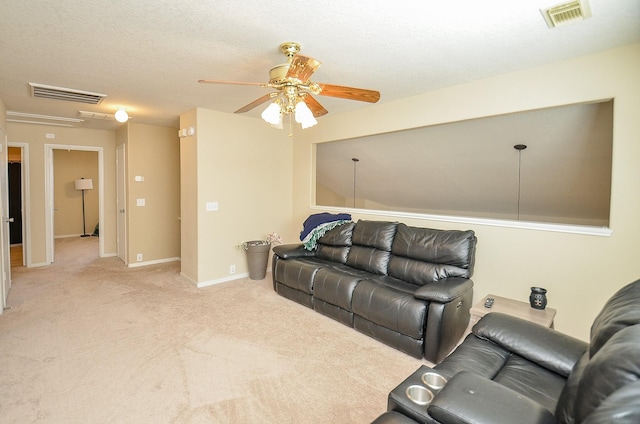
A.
x: 289, y: 251
x: 544, y: 346
x: 445, y: 290
x: 469, y: 398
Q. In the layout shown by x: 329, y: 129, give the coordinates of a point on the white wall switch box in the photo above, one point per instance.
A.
x: 138, y: 178
x: 139, y: 257
x: 50, y: 135
x: 140, y: 202
x: 212, y: 206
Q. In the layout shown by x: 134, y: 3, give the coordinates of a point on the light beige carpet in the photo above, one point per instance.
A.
x: 89, y: 340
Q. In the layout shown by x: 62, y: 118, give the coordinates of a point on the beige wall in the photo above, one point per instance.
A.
x: 245, y: 166
x: 70, y: 165
x: 580, y: 271
x: 3, y: 116
x: 153, y: 152
x: 35, y: 136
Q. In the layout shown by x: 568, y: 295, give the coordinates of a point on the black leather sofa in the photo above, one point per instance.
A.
x: 408, y: 287
x: 513, y: 371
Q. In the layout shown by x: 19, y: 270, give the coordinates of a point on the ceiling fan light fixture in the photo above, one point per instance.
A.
x: 273, y: 115
x: 293, y: 89
x: 304, y: 116
x: 121, y: 115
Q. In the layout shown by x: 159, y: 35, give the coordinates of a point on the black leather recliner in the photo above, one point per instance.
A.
x: 513, y: 371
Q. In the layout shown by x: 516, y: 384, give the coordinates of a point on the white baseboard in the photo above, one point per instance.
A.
x: 221, y: 280
x: 157, y: 261
x: 37, y: 265
x: 225, y: 279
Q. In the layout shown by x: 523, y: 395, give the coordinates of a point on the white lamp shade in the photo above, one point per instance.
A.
x: 273, y: 115
x: 304, y: 116
x: 84, y: 184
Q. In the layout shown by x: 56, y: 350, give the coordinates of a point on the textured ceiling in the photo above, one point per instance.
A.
x: 147, y: 55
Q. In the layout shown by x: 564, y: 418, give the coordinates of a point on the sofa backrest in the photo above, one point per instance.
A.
x: 423, y: 255
x: 610, y: 368
x: 335, y: 244
x: 413, y: 254
x: 371, y: 246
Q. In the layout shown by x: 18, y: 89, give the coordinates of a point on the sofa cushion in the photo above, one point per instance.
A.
x: 421, y: 273
x: 378, y: 234
x: 620, y: 311
x: 335, y: 285
x: 371, y: 246
x: 445, y: 247
x: 335, y: 244
x: 368, y: 259
x: 298, y: 274
x: 338, y: 236
x: 390, y: 303
x: 492, y: 361
x: 615, y: 365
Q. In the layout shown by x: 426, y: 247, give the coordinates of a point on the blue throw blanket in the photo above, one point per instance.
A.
x: 321, y: 218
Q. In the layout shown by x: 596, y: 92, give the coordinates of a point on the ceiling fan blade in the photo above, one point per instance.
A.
x: 350, y: 93
x: 257, y: 102
x: 316, y: 108
x: 231, y: 82
x: 302, y: 67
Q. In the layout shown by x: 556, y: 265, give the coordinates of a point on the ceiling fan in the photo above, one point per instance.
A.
x: 294, y: 90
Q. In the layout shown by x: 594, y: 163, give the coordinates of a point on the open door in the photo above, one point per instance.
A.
x: 6, y: 219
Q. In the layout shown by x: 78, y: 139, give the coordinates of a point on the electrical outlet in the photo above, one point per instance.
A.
x: 139, y: 257
x: 232, y: 269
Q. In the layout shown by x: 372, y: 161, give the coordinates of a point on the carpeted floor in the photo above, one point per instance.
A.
x: 88, y: 340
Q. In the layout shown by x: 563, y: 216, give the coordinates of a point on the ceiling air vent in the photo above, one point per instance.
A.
x: 66, y: 94
x: 566, y: 13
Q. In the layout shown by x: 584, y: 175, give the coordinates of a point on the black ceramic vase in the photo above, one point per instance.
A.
x: 538, y: 298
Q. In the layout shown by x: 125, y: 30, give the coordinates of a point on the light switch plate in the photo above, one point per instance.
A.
x: 140, y: 202
x: 212, y: 206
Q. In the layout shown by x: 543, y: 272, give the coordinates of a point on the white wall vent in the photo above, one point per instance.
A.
x: 66, y: 94
x: 566, y: 13
x: 97, y: 115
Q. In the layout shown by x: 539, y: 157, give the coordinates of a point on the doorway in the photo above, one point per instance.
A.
x: 50, y: 194
x: 18, y: 180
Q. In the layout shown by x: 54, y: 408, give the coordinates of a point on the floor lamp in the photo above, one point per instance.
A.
x: 84, y: 184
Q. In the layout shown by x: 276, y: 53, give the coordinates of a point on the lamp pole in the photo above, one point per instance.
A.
x: 355, y: 161
x: 519, y: 148
x: 84, y: 226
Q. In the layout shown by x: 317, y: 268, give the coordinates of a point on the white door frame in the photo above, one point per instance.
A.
x: 48, y: 183
x: 26, y: 202
x: 5, y: 260
x: 121, y: 187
